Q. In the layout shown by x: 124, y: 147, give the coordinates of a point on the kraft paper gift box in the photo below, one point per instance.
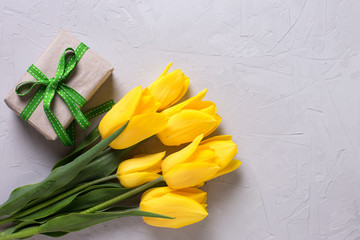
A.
x: 88, y: 75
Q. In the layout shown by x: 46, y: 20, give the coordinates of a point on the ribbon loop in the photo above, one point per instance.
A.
x: 24, y: 88
x: 49, y: 87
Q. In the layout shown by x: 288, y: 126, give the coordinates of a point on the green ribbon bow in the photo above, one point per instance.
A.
x: 50, y: 86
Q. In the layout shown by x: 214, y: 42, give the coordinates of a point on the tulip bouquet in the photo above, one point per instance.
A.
x: 80, y: 191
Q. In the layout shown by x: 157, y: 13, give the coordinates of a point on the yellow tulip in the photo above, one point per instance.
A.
x: 139, y: 170
x: 200, y: 161
x: 186, y: 206
x: 169, y: 87
x: 139, y: 108
x: 189, y: 119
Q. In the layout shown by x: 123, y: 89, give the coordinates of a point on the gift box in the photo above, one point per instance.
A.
x: 87, y: 76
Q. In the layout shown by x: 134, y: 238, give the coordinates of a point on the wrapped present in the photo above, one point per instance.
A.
x: 57, y: 85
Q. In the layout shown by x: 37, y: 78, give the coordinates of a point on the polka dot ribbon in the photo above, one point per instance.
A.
x: 47, y: 89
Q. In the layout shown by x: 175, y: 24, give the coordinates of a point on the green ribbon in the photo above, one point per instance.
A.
x: 94, y: 112
x: 50, y: 86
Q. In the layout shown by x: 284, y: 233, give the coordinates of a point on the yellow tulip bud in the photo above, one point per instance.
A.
x: 186, y: 206
x: 139, y: 108
x: 169, y: 87
x: 200, y: 162
x: 139, y: 170
x: 189, y: 119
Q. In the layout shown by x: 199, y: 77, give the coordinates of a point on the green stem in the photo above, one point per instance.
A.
x: 31, y: 231
x: 27, y: 232
x: 123, y: 196
x: 56, y: 199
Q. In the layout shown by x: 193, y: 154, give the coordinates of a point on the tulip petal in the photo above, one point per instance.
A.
x: 139, y: 128
x: 184, y: 126
x: 147, y: 103
x: 169, y: 88
x: 148, y: 163
x: 184, y: 89
x: 166, y: 69
x: 180, y: 156
x: 120, y: 113
x: 225, y: 151
x: 203, y: 154
x: 176, y: 108
x: 189, y: 174
x: 199, y: 185
x: 218, y: 121
x: 234, y: 164
x: 204, y: 106
x: 155, y: 193
x: 217, y: 138
x: 193, y: 193
x: 184, y: 210
x: 136, y: 179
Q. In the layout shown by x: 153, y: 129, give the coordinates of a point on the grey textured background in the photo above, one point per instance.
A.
x: 284, y: 75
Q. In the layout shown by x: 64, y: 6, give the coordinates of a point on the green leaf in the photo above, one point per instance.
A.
x: 95, y: 197
x: 47, y: 211
x: 89, y: 139
x: 61, y: 225
x: 103, y: 166
x: 76, y: 221
x: 55, y: 234
x: 51, y: 209
x: 8, y: 231
x: 18, y: 227
x: 56, y: 180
